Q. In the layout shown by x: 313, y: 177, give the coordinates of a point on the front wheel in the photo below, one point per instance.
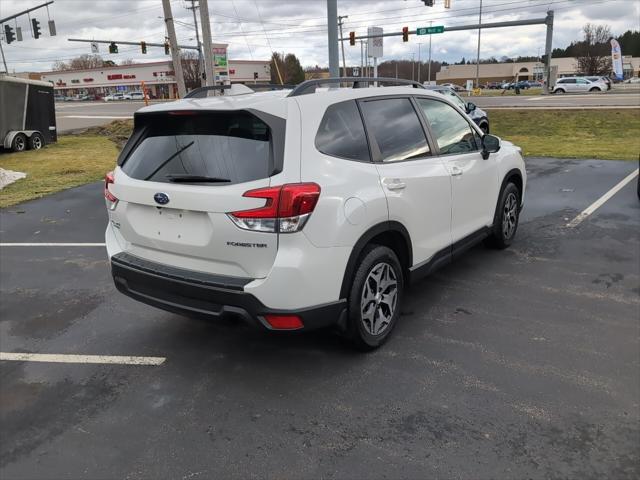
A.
x: 594, y: 89
x: 559, y: 90
x: 505, y: 220
x: 375, y: 298
x: 19, y: 143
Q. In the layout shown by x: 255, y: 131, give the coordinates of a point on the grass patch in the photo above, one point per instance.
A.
x: 117, y: 131
x: 602, y: 134
x: 509, y: 93
x: 75, y: 160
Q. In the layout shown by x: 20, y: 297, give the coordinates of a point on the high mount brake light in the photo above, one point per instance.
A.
x: 286, y: 210
x: 109, y: 179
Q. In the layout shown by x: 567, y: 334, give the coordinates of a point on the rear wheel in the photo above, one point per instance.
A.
x: 558, y: 90
x: 375, y: 298
x: 19, y: 143
x: 594, y: 89
x: 505, y: 220
x: 484, y: 127
x: 36, y: 141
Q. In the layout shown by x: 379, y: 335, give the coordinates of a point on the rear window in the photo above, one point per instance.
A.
x: 213, y: 147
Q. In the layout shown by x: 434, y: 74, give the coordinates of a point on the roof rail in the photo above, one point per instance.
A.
x: 235, y: 89
x: 309, y: 86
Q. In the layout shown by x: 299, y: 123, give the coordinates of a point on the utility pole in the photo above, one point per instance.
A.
x: 332, y: 25
x: 344, y: 63
x: 193, y: 8
x: 4, y: 61
x: 478, y: 57
x: 175, y: 52
x: 413, y: 66
x: 419, y: 61
x: 547, y: 52
x: 362, y: 58
x: 429, y: 79
x: 206, y: 43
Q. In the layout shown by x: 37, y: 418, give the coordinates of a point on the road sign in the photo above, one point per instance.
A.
x: 374, y: 42
x: 429, y: 30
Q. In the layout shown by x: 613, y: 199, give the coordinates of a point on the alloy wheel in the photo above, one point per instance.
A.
x: 379, y: 298
x: 510, y: 216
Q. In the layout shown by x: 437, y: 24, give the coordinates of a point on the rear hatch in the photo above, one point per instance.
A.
x: 179, y: 176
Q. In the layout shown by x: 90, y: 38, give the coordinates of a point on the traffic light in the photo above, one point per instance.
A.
x: 113, y: 48
x: 143, y: 47
x: 8, y: 34
x: 405, y: 34
x: 352, y: 38
x: 543, y: 59
x: 36, y: 28
x: 166, y: 48
x: 428, y: 3
x: 255, y: 75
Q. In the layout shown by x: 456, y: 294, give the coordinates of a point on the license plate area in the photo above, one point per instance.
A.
x: 161, y: 224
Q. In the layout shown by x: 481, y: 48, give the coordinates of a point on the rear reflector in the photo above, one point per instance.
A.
x: 284, y: 322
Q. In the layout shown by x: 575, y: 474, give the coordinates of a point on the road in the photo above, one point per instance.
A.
x: 77, y: 115
x: 519, y: 363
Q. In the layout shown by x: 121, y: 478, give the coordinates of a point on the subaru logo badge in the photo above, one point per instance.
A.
x: 161, y: 198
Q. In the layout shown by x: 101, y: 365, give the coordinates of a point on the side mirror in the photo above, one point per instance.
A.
x: 471, y: 107
x: 490, y: 144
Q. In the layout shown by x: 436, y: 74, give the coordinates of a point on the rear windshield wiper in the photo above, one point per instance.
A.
x: 187, y: 178
x: 180, y: 150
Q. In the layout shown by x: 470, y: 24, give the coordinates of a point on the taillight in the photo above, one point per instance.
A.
x: 112, y: 201
x: 286, y: 210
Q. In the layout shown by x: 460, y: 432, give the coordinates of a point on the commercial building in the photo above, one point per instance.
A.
x: 158, y: 78
x: 495, y: 72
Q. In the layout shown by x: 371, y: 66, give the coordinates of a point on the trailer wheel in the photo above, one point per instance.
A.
x: 19, y: 143
x: 36, y: 141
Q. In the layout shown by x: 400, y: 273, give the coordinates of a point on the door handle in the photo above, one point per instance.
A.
x: 456, y: 171
x: 395, y: 184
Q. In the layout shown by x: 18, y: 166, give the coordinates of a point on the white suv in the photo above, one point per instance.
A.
x: 301, y: 209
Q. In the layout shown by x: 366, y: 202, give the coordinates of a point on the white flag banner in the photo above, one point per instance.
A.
x: 94, y: 47
x: 616, y: 59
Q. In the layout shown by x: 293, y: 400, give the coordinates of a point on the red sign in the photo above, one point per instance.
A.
x: 116, y: 76
x: 128, y: 77
x: 232, y: 71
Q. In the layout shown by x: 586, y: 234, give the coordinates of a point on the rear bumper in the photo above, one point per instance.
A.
x: 197, y: 294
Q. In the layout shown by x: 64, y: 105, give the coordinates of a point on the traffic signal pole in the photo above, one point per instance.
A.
x: 332, y: 27
x: 175, y: 51
x: 4, y: 60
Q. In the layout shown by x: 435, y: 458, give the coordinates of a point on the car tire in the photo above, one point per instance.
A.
x: 371, y: 316
x: 484, y: 126
x: 506, y: 217
x: 19, y: 143
x: 558, y: 90
x: 36, y: 141
x: 595, y: 89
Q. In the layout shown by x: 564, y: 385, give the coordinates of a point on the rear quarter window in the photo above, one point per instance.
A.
x: 341, y: 133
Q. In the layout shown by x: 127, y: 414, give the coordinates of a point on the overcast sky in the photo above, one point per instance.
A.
x: 254, y: 28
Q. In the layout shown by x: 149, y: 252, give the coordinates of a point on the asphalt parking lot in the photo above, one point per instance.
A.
x: 521, y: 363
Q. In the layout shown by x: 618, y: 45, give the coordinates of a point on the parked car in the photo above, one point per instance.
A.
x: 578, y: 84
x: 478, y: 115
x: 606, y: 80
x: 506, y: 85
x: 454, y: 87
x: 113, y: 97
x: 535, y: 84
x: 60, y: 98
x: 227, y: 206
x: 493, y: 85
x: 632, y: 80
x: 136, y: 96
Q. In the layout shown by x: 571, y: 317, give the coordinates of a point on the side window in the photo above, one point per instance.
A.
x: 395, y: 128
x: 341, y: 133
x: 457, y: 100
x: 570, y: 80
x: 452, y: 132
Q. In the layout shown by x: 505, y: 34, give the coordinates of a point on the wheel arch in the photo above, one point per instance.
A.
x: 514, y: 175
x: 391, y: 234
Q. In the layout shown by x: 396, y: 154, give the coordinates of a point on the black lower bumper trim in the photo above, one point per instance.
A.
x: 193, y: 294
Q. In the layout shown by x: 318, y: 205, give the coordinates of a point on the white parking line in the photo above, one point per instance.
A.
x: 108, y: 117
x: 598, y: 203
x: 52, y: 244
x: 64, y: 358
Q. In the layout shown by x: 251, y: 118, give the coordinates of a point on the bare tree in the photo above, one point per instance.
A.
x: 190, y: 68
x: 593, y: 52
x: 80, y: 63
x: 128, y: 61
